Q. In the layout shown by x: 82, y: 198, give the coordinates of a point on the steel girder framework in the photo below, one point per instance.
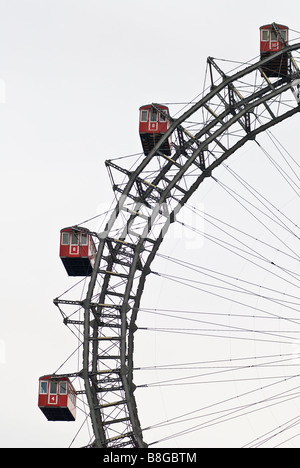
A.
x: 235, y: 109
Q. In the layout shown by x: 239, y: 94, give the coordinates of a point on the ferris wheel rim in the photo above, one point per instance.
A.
x: 127, y: 340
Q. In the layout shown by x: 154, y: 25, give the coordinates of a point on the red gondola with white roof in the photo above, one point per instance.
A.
x: 57, y: 398
x: 77, y: 251
x: 273, y: 37
x: 153, y: 124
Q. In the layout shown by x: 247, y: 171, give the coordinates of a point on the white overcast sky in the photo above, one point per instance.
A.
x: 73, y: 74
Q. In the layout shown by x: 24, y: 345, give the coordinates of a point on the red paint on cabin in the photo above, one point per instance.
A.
x: 153, y: 124
x: 77, y: 251
x: 273, y: 37
x: 57, y: 398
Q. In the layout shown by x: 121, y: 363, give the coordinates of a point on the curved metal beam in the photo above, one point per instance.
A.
x: 130, y: 297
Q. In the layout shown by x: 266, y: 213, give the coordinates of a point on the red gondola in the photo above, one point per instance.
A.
x: 57, y: 398
x: 77, y: 251
x: 272, y: 39
x: 153, y: 124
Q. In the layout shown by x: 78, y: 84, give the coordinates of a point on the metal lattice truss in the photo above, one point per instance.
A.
x: 235, y: 109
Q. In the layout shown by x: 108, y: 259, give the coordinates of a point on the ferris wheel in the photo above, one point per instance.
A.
x: 179, y: 155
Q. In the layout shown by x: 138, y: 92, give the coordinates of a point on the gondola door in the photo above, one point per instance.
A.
x: 274, y: 42
x: 153, y: 121
x: 53, y: 394
x: 74, y: 244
